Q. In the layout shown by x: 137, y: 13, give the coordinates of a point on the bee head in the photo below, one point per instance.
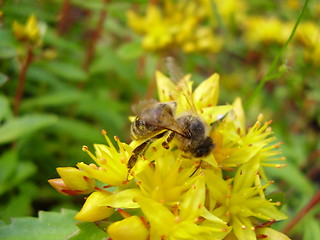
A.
x: 203, y: 148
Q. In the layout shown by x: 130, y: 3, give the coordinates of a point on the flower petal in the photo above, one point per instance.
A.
x: 92, y: 211
x: 122, y: 199
x: 127, y: 229
x: 207, y: 93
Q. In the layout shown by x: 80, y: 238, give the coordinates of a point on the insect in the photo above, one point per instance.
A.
x: 158, y: 120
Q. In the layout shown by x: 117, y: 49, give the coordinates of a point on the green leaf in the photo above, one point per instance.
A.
x: 67, y: 70
x: 130, y: 51
x: 294, y: 177
x: 79, y: 130
x: 89, y: 231
x: 49, y: 226
x: 90, y: 5
x: 22, y: 126
x: 23, y: 171
x: 20, y: 204
x: 8, y: 162
x: 3, y: 79
x: 4, y: 107
x: 59, y: 98
x: 311, y: 228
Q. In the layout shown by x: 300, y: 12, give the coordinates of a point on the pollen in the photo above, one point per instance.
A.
x: 103, y: 132
x: 102, y: 169
x: 93, y: 166
x: 103, y: 160
x: 260, y: 117
x: 278, y: 203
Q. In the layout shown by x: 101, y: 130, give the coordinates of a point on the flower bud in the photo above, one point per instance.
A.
x: 72, y: 182
x: 127, y: 229
x: 92, y: 211
x: 30, y: 33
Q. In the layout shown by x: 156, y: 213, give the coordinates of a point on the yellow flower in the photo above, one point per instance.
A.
x: 204, y: 97
x: 236, y: 145
x: 72, y: 181
x: 168, y: 181
x: 30, y: 33
x: 112, y: 164
x: 239, y: 202
x: 185, y: 220
x: 169, y: 194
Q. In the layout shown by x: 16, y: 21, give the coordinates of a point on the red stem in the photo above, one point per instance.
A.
x: 22, y: 78
x: 312, y: 203
x: 95, y: 37
x: 63, y: 16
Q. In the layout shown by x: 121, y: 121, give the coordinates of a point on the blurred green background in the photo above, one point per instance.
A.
x: 98, y: 57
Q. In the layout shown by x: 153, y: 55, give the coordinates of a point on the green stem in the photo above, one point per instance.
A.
x: 275, y: 62
x: 22, y: 79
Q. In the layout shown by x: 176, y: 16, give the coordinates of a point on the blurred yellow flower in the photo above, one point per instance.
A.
x: 259, y: 29
x: 308, y: 33
x: 30, y: 33
x: 174, y: 24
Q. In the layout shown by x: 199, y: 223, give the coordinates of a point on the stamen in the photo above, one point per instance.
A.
x: 103, y: 132
x: 85, y: 149
x: 103, y: 161
x: 102, y: 169
x: 86, y: 178
x: 260, y: 117
x: 93, y: 166
x: 123, y: 213
x: 144, y: 221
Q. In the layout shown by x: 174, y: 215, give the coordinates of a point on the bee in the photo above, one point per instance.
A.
x: 158, y: 119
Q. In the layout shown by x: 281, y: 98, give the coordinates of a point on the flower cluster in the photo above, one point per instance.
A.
x: 180, y: 23
x: 203, y: 25
x: 168, y: 195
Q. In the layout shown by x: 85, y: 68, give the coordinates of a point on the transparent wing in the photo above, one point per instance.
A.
x: 183, y: 85
x: 162, y: 115
x: 137, y: 108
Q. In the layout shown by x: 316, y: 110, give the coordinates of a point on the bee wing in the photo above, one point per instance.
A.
x: 137, y: 108
x: 183, y: 85
x: 162, y: 119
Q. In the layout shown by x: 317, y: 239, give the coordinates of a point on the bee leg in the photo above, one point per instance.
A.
x: 136, y: 152
x: 199, y: 165
x: 165, y: 143
x: 139, y: 150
